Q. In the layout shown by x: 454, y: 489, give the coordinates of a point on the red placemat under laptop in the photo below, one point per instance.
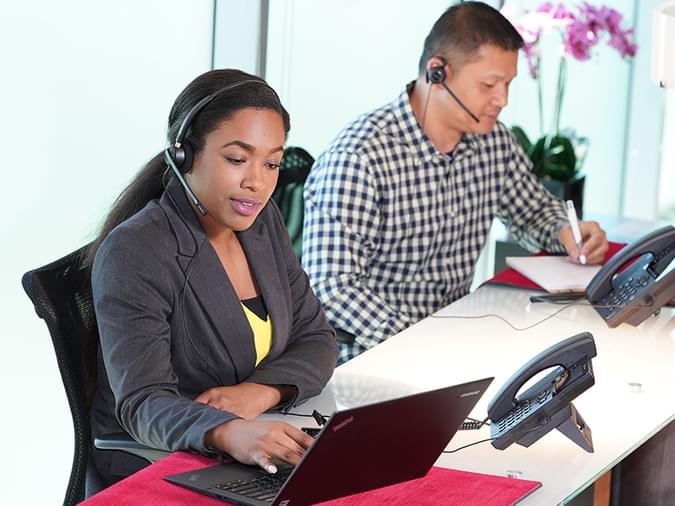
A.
x: 512, y: 277
x: 439, y: 486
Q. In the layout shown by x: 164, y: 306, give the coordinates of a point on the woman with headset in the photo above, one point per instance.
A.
x: 205, y: 314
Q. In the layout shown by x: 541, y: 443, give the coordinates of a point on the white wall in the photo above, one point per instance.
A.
x: 238, y: 39
x: 331, y: 60
x: 86, y: 89
x: 648, y: 129
x: 666, y: 200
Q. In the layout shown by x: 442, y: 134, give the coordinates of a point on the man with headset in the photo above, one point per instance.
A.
x: 399, y: 206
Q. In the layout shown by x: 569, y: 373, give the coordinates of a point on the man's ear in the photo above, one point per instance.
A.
x: 436, y: 61
x: 436, y: 72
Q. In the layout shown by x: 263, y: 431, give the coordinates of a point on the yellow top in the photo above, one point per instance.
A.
x: 262, y: 333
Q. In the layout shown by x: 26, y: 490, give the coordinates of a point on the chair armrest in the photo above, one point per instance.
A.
x: 125, y: 443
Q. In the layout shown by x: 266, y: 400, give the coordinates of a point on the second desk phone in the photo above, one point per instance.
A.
x: 636, y: 282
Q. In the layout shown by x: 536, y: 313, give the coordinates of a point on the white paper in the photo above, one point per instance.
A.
x: 554, y: 273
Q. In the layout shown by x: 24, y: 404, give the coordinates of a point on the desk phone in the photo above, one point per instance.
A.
x: 525, y: 417
x: 637, y: 281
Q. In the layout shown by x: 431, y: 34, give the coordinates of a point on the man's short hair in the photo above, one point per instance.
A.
x: 462, y: 29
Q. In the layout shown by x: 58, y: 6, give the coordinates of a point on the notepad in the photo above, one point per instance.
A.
x: 554, y: 273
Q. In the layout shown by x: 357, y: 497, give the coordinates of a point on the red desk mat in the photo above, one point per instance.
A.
x: 439, y: 486
x: 512, y: 277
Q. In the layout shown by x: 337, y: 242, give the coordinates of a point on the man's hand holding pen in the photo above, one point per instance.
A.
x: 594, y: 242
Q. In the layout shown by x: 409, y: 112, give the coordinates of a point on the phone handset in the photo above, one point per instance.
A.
x: 637, y: 281
x: 547, y: 404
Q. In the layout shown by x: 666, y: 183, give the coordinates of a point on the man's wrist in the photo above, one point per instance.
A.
x: 562, y: 223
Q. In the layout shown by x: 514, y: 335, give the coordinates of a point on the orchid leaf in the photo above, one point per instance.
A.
x: 552, y: 157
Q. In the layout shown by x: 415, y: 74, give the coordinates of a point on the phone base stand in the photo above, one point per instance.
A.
x: 568, y: 421
x: 576, y: 429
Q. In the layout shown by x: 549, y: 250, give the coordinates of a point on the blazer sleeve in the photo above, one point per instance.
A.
x: 309, y: 359
x: 134, y: 299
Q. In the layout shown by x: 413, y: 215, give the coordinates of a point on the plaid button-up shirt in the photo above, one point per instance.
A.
x: 393, y: 227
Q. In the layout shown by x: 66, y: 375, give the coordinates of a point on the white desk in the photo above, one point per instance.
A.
x: 439, y: 352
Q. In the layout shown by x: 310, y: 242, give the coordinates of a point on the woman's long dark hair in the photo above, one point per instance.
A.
x: 148, y: 184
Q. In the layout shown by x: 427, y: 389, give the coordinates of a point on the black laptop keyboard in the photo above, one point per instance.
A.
x: 263, y: 488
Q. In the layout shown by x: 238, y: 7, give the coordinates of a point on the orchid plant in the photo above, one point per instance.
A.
x: 553, y: 155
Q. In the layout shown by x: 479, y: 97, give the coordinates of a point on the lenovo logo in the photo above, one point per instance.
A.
x: 469, y: 394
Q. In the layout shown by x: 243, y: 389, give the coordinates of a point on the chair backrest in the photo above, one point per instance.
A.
x: 295, y: 166
x: 61, y: 294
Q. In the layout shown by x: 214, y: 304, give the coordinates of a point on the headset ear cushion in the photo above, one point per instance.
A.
x: 182, y: 157
x: 436, y: 74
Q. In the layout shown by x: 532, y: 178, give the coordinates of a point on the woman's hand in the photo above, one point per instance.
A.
x: 594, y: 240
x: 246, y: 400
x: 260, y: 442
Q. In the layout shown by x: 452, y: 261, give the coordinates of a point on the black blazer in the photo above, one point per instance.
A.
x: 172, y: 326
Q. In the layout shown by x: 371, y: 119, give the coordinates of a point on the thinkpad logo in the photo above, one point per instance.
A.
x: 343, y: 424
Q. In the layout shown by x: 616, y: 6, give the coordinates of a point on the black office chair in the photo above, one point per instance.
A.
x: 61, y: 294
x: 295, y: 166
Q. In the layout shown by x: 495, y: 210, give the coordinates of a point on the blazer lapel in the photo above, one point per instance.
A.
x: 222, y: 308
x: 260, y: 253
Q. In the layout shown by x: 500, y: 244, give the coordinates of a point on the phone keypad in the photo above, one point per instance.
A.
x: 624, y: 293
x: 524, y: 409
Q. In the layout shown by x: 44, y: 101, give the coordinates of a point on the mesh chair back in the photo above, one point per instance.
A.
x: 295, y: 166
x: 61, y: 294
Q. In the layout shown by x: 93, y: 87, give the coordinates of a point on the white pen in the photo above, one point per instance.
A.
x: 576, y: 233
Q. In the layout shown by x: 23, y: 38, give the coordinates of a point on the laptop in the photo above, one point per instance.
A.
x: 358, y: 449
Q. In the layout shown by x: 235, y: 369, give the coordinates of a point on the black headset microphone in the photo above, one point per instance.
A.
x: 179, y: 155
x: 181, y: 179
x: 437, y: 75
